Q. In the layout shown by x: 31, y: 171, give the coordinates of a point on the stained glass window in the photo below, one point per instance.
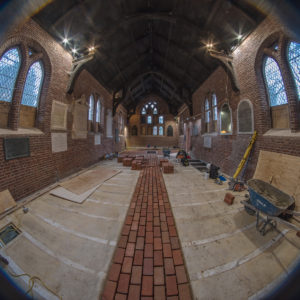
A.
x: 149, y: 119
x: 33, y: 85
x: 207, y: 111
x: 161, y: 120
x: 143, y: 111
x: 214, y: 107
x: 155, y: 111
x: 9, y: 69
x: 98, y: 111
x: 276, y: 90
x: 155, y: 130
x: 161, y: 130
x: 91, y: 108
x: 294, y: 60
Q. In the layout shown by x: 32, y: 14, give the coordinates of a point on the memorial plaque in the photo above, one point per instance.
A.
x: 16, y: 147
x: 97, y: 138
x: 59, y: 142
x: 80, y: 113
x: 207, y: 142
x: 59, y: 116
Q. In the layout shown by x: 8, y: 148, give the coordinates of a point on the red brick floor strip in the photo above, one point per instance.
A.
x: 148, y: 262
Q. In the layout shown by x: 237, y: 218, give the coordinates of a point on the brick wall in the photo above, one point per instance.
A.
x: 227, y: 150
x: 24, y: 176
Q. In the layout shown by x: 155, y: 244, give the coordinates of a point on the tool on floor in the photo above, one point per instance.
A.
x: 235, y: 184
x: 229, y: 198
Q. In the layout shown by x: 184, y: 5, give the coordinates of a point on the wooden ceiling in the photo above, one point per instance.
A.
x: 150, y: 46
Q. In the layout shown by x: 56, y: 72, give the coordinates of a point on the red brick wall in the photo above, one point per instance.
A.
x: 227, y: 150
x: 24, y: 176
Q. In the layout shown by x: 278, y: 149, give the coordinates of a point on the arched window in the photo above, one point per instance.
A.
x: 161, y: 119
x: 134, y: 131
x: 161, y: 130
x: 155, y: 111
x: 155, y: 130
x: 149, y: 120
x: 170, y: 131
x: 274, y: 82
x: 207, y: 115
x: 91, y: 108
x: 294, y: 61
x: 214, y: 111
x: 143, y: 111
x: 226, y: 122
x: 33, y: 84
x: 245, y: 117
x: 9, y: 68
x: 98, y: 111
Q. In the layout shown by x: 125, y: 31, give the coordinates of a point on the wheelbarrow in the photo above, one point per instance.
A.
x: 274, y: 203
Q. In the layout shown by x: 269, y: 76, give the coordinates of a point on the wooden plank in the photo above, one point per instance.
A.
x: 6, y: 201
x: 281, y: 170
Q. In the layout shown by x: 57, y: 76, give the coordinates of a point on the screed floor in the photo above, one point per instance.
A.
x: 71, y: 246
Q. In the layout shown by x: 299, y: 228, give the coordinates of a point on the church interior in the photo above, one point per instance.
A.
x: 150, y: 149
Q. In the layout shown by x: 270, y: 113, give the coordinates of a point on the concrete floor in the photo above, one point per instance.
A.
x: 70, y: 246
x: 226, y: 257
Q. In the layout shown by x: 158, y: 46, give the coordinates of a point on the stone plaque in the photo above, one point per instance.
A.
x: 59, y: 142
x: 245, y: 117
x: 98, y: 139
x: 59, y: 116
x: 80, y: 113
x: 16, y: 147
x: 207, y: 142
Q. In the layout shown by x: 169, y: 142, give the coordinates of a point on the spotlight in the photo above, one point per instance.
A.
x: 65, y: 41
x: 74, y: 50
x: 91, y: 49
x: 239, y: 36
x: 209, y: 46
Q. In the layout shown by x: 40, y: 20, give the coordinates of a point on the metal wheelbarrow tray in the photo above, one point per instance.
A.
x: 271, y: 201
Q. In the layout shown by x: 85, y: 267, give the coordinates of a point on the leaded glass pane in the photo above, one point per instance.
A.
x: 155, y: 130
x: 143, y: 111
x: 155, y: 111
x: 161, y: 120
x: 161, y: 130
x: 274, y: 82
x: 214, y: 99
x: 206, y: 105
x: 294, y: 60
x: 207, y: 116
x: 91, y: 108
x: 98, y: 111
x: 9, y: 69
x: 33, y: 84
x: 149, y: 119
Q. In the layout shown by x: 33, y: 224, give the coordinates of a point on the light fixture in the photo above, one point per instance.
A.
x: 91, y: 49
x: 209, y: 46
x: 74, y: 50
x: 239, y: 36
x: 65, y: 41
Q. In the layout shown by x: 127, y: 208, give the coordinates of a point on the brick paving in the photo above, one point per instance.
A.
x: 148, y: 261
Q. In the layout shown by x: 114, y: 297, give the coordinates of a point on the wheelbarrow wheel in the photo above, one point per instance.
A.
x: 250, y: 211
x: 286, y: 216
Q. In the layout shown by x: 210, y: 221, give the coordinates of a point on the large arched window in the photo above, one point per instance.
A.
x: 98, y: 111
x: 225, y: 119
x: 207, y: 115
x: 9, y: 68
x: 274, y: 82
x: 161, y: 130
x: 170, y: 131
x: 91, y: 108
x: 294, y: 61
x: 33, y: 84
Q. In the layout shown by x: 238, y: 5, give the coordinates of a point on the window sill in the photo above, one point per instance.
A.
x: 20, y: 131
x: 282, y: 133
x: 210, y: 134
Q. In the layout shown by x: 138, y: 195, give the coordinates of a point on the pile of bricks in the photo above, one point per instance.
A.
x: 136, y: 165
x: 121, y: 157
x: 127, y: 162
x: 163, y: 160
x: 168, y: 168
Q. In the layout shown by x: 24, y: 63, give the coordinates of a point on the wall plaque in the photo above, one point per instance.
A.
x: 207, y: 142
x: 59, y: 142
x: 59, y: 116
x: 97, y: 139
x: 80, y: 112
x: 16, y: 147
